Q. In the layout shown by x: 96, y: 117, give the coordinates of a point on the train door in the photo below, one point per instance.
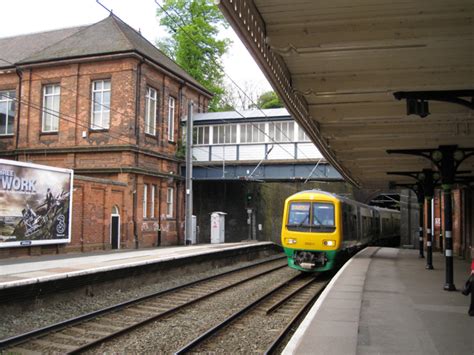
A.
x: 115, y: 228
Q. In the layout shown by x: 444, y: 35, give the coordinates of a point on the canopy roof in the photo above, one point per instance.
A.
x: 337, y: 64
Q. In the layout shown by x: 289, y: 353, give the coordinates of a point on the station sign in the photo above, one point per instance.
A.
x: 35, y: 204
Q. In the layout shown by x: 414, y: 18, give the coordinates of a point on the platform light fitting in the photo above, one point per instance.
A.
x: 437, y: 155
x: 458, y: 155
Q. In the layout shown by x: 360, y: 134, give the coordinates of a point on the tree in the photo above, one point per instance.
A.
x: 269, y: 99
x: 193, y: 26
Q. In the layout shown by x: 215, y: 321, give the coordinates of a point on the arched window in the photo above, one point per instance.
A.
x: 115, y: 210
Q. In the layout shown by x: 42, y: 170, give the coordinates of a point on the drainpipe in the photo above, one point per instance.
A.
x: 17, y: 138
x: 137, y: 138
x: 134, y: 211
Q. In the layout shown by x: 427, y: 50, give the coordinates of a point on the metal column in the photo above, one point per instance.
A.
x: 429, y: 239
x: 448, y: 228
x: 188, y: 226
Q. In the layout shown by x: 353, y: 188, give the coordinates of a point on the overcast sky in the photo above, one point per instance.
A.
x: 28, y: 16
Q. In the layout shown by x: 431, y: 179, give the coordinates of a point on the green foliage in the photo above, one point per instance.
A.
x: 269, y: 99
x: 193, y: 26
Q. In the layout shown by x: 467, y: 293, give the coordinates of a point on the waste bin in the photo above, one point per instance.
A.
x: 217, y: 227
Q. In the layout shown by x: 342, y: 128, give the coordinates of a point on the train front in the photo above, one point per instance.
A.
x: 311, y: 230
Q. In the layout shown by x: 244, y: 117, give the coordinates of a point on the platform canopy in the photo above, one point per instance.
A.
x: 337, y: 64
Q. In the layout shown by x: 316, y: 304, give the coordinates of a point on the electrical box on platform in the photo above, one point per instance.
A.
x: 217, y: 227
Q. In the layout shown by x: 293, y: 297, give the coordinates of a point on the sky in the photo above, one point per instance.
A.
x: 29, y: 16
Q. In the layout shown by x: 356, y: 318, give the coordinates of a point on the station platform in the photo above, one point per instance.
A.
x: 384, y: 301
x: 37, y: 270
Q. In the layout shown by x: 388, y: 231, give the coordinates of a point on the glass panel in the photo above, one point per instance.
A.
x: 97, y: 85
x: 323, y: 214
x: 97, y: 102
x: 215, y: 134
x: 227, y: 134
x: 196, y: 135
x: 299, y: 213
x: 233, y: 138
x: 291, y: 133
x: 106, y: 84
x: 3, y: 118
x: 206, y: 135
x: 106, y: 102
x: 11, y: 117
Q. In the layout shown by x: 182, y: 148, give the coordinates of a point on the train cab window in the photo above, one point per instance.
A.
x: 314, y: 217
x: 299, y: 214
x: 323, y: 214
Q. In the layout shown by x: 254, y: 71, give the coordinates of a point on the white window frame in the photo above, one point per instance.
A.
x: 280, y: 131
x: 171, y: 116
x: 50, y: 114
x: 169, y: 202
x: 100, y: 119
x: 7, y: 97
x: 145, y: 200
x: 257, y: 133
x: 151, y: 105
x: 152, y: 207
x: 200, y: 135
x: 224, y: 134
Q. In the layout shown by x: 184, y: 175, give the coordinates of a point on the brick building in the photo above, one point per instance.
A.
x: 102, y: 100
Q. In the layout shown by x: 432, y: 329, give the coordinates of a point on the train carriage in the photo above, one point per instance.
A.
x: 318, y: 228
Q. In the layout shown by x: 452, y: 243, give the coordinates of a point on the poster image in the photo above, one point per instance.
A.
x: 35, y: 204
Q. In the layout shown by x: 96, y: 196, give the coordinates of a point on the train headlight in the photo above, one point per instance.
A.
x: 329, y: 243
x: 290, y: 241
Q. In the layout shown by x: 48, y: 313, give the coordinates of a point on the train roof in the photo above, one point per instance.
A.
x: 340, y: 198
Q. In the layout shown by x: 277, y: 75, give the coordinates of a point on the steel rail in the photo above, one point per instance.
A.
x: 166, y: 313
x: 234, y: 316
x: 21, y: 338
x: 273, y: 346
x: 281, y: 302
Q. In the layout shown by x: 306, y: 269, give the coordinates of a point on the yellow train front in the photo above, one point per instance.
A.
x: 312, y: 229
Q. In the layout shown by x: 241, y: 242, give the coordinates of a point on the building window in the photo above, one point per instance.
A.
x: 7, y: 112
x: 252, y: 133
x: 152, y: 207
x: 51, y: 99
x: 201, y: 135
x: 224, y: 134
x: 145, y: 200
x: 150, y: 111
x: 100, y: 104
x: 282, y: 131
x: 169, y: 203
x: 302, y: 137
x: 171, y: 109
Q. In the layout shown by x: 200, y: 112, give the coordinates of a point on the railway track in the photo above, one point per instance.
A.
x: 90, y: 330
x: 261, y: 326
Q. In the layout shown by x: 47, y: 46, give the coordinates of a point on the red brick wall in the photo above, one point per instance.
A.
x: 93, y: 200
x: 115, y: 148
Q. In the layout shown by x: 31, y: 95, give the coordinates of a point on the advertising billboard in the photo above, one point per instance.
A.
x: 35, y: 204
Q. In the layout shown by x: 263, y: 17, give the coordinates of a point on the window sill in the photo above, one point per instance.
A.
x: 55, y: 133
x: 98, y: 130
x: 172, y: 142
x: 7, y: 135
x: 149, y: 135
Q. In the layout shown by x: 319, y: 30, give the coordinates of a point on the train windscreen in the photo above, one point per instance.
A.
x: 311, y: 217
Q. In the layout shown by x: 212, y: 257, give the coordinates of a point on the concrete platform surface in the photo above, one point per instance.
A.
x: 384, y: 301
x: 25, y: 271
